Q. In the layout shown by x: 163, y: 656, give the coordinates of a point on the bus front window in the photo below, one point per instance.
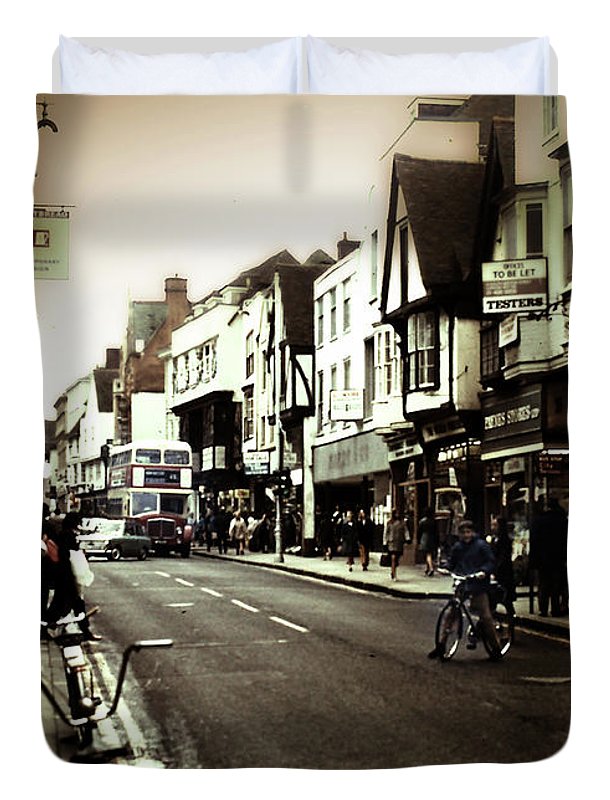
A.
x: 143, y: 502
x: 172, y: 504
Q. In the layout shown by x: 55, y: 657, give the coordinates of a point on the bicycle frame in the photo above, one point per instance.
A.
x: 86, y: 709
x: 451, y: 621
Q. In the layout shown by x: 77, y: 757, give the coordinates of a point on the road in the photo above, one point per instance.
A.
x: 273, y: 670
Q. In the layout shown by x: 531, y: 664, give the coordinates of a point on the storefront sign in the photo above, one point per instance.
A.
x: 520, y: 414
x: 515, y: 286
x: 346, y: 404
x: 550, y: 463
x: 256, y: 462
x: 354, y: 456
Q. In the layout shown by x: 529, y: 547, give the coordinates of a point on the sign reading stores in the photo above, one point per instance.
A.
x: 515, y: 286
x: 521, y: 414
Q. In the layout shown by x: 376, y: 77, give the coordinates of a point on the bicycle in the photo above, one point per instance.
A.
x: 450, y: 623
x: 85, y: 708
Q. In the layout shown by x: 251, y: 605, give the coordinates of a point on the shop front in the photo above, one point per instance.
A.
x: 526, y: 459
x: 353, y: 473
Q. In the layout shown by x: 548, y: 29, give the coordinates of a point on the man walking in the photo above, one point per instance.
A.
x: 365, y: 530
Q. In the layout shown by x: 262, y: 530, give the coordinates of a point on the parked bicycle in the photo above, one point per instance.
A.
x: 85, y: 708
x: 456, y: 612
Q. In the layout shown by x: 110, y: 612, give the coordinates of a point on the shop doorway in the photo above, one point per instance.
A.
x: 414, y: 497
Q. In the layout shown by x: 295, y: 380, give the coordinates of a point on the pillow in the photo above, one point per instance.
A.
x: 517, y: 69
x: 270, y: 69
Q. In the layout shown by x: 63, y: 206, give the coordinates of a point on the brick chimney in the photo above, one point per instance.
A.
x: 113, y: 358
x: 178, y: 306
x: 345, y: 246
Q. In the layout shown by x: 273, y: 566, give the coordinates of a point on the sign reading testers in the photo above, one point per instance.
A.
x: 515, y: 286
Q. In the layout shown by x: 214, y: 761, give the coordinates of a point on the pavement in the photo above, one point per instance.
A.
x: 411, y: 583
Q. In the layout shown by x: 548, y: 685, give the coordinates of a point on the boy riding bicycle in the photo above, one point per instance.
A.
x: 472, y: 556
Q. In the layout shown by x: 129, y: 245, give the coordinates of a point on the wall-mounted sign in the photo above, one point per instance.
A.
x: 508, y: 330
x: 213, y: 458
x: 509, y: 417
x: 256, y: 462
x: 346, y: 404
x: 518, y: 286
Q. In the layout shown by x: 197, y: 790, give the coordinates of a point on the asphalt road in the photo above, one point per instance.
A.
x: 273, y: 670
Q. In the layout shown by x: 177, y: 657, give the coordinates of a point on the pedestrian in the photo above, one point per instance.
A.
x: 200, y: 530
x: 365, y: 530
x: 349, y: 539
x: 394, y: 538
x: 222, y: 521
x: 327, y: 536
x: 502, y: 546
x: 473, y: 556
x: 264, y: 533
x: 548, y: 555
x: 428, y: 540
x: 67, y: 597
x: 238, y: 531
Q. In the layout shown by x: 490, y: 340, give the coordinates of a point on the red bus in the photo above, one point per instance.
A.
x: 151, y: 481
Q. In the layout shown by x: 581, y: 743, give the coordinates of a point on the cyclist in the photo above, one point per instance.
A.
x: 471, y: 555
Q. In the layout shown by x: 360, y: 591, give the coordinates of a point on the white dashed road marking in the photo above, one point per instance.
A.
x: 183, y: 582
x: 289, y: 624
x: 213, y: 592
x: 245, y: 606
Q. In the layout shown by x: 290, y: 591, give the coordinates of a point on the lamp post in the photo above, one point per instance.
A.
x: 279, y: 555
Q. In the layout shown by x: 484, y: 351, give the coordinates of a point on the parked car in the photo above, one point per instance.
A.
x: 114, y: 538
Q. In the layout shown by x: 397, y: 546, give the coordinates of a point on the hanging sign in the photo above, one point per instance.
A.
x: 51, y: 243
x: 518, y: 286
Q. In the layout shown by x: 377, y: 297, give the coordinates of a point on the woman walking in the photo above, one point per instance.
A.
x: 394, y: 538
x: 428, y: 540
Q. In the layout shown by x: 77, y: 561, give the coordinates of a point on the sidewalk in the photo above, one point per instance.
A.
x: 411, y: 582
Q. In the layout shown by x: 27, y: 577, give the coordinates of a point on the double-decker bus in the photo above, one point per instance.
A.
x: 151, y: 481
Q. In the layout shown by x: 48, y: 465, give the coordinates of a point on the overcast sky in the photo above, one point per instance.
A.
x: 196, y: 187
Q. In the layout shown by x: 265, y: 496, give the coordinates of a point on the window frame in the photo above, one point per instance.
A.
x: 414, y: 380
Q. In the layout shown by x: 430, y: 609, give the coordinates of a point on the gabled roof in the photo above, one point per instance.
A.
x: 145, y: 318
x: 443, y: 200
x: 297, y: 299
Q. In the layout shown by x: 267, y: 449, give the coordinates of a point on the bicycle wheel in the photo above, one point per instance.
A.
x: 81, y: 702
x: 505, y: 629
x: 449, y: 629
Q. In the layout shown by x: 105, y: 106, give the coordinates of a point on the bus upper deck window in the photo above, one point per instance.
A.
x: 148, y: 456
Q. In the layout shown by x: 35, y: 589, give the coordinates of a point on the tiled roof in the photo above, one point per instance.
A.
x: 442, y: 199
